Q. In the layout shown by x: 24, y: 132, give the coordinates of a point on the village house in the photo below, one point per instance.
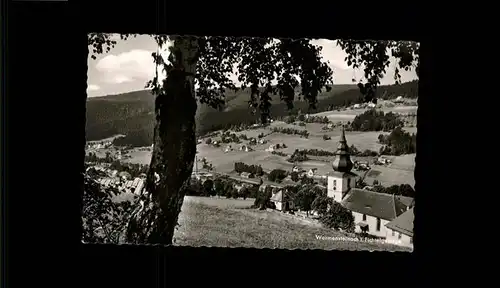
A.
x: 296, y: 169
x: 312, y: 172
x: 280, y: 203
x: 400, y: 230
x: 245, y: 148
x: 384, y: 160
x: 372, y: 211
x: 228, y: 148
x: 239, y: 186
x: 262, y: 141
x: 247, y: 175
x: 271, y: 148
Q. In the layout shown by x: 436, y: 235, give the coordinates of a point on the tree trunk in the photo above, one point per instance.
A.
x: 174, y: 148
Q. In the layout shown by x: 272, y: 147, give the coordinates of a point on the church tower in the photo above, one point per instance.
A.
x: 341, y: 180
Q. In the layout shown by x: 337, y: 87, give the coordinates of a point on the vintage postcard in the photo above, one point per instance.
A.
x: 250, y: 142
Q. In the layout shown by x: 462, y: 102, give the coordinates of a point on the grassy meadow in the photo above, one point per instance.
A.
x: 216, y: 222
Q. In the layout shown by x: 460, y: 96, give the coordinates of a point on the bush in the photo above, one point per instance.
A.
x: 317, y: 152
x: 306, y: 180
x: 367, y: 153
x: 321, y: 203
x: 338, y: 217
x: 279, y: 153
x: 317, y: 119
x: 398, y: 142
x: 290, y: 131
x: 305, y: 197
x: 240, y: 167
x: 234, y: 193
x: 208, y: 188
x: 105, y: 220
x: 277, y: 175
x: 326, y: 137
x: 208, y: 141
x: 373, y: 120
x: 298, y: 156
x: 398, y: 190
x: 263, y: 199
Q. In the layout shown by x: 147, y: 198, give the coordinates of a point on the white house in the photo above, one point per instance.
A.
x: 246, y: 148
x: 400, y: 230
x: 372, y: 211
x: 384, y: 160
x: 295, y: 169
x: 228, y: 148
x: 246, y: 175
x: 312, y: 172
x: 271, y: 148
x: 280, y: 203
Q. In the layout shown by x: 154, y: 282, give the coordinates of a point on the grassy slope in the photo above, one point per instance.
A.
x: 133, y: 112
x: 207, y: 225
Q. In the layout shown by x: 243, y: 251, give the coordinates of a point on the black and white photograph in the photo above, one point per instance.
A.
x: 250, y: 142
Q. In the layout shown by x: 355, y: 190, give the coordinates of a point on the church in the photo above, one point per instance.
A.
x: 372, y: 211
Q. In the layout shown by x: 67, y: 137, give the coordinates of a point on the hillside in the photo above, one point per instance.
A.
x: 132, y: 113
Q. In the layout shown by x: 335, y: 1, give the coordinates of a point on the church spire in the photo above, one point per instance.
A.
x: 342, y: 162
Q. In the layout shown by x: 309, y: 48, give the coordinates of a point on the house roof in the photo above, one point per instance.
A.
x: 380, y: 205
x: 407, y: 201
x: 403, y: 223
x: 278, y: 196
x: 245, y: 174
x: 273, y: 184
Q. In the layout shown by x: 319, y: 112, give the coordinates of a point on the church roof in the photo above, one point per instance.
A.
x: 342, y: 161
x: 380, y: 205
x: 403, y: 223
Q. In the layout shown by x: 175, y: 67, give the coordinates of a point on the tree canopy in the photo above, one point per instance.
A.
x: 260, y: 61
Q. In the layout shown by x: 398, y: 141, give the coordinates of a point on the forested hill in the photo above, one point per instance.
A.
x: 132, y: 113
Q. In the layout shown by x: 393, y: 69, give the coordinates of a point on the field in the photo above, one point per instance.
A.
x: 399, y: 172
x: 215, y: 222
x: 348, y: 115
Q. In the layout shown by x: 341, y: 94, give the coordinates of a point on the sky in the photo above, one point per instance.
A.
x: 129, y: 65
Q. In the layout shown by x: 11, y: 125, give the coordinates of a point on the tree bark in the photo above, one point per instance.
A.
x: 174, y: 148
